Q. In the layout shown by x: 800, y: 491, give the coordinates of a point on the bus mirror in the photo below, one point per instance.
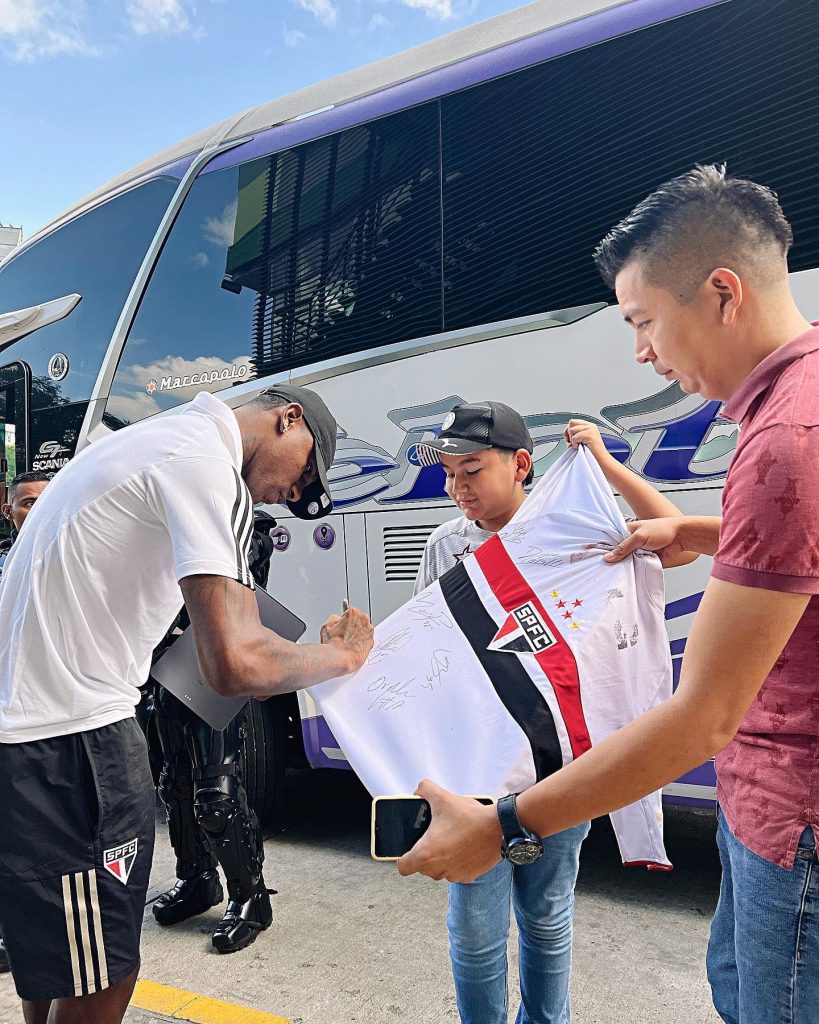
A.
x: 19, y: 322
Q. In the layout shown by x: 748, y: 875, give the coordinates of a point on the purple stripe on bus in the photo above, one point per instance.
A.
x: 685, y: 606
x: 522, y: 53
x: 691, y: 801
x: 704, y: 775
x: 316, y: 734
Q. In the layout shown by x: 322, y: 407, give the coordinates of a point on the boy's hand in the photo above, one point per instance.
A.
x: 352, y: 632
x: 582, y: 432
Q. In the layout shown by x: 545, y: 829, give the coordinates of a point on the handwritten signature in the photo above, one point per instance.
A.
x: 438, y: 667
x: 425, y: 611
x: 516, y: 533
x: 537, y: 556
x: 384, y: 648
x: 390, y: 696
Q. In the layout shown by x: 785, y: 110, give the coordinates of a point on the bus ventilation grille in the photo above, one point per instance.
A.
x: 403, y: 549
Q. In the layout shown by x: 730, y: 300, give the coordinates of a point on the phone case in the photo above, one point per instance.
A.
x: 395, y: 796
x: 488, y: 800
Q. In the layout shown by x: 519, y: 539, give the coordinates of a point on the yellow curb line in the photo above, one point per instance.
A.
x: 182, y: 1005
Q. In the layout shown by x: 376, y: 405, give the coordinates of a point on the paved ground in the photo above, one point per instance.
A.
x: 351, y: 943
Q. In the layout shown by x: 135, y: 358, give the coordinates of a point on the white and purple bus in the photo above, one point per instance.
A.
x: 404, y: 237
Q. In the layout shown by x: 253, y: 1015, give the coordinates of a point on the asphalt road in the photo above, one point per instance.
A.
x: 351, y: 943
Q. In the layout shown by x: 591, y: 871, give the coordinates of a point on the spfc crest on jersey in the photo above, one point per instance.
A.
x: 119, y: 860
x: 524, y: 632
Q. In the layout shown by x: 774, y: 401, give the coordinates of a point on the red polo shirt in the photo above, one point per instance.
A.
x: 768, y: 775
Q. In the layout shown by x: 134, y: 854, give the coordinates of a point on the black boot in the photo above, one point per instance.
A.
x: 190, y: 896
x: 243, y: 921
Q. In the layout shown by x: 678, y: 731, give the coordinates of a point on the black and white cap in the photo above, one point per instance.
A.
x: 315, y: 501
x: 474, y: 427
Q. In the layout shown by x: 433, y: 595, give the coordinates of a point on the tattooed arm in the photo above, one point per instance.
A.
x: 238, y: 656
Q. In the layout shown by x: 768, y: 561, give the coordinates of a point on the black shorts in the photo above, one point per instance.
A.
x: 76, y: 842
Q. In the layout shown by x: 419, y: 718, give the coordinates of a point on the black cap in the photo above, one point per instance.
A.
x: 315, y: 501
x: 474, y: 427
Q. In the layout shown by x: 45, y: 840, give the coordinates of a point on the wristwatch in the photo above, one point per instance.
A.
x: 519, y: 846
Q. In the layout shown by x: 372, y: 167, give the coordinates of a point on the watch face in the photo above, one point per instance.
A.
x: 523, y: 851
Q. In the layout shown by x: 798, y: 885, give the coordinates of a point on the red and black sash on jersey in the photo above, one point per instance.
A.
x: 510, y: 680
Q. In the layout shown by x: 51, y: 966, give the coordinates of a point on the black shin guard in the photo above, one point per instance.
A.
x: 222, y: 811
x: 190, y: 844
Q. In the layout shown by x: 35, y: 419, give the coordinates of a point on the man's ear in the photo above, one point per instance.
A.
x: 6, y: 510
x: 727, y: 286
x: 290, y: 414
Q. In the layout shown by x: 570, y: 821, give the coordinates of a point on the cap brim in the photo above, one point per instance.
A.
x: 430, y: 452
x: 315, y: 501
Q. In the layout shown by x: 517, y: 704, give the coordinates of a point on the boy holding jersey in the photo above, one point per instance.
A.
x: 486, y: 452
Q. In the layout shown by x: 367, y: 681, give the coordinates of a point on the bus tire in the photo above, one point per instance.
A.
x: 264, y: 757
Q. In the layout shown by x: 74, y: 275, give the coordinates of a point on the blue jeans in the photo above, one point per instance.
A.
x: 763, y: 954
x: 478, y: 922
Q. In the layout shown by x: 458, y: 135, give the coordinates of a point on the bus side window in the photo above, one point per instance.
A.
x: 324, y: 249
x: 95, y: 255
x: 539, y: 164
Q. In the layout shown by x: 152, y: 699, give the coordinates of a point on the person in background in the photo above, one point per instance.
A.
x: 24, y: 490
x: 210, y: 822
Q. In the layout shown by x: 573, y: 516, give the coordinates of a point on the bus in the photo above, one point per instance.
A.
x: 404, y: 237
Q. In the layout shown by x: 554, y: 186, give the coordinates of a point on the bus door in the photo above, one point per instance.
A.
x: 15, y: 387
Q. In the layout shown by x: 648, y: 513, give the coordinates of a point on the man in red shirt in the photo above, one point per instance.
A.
x: 700, y: 271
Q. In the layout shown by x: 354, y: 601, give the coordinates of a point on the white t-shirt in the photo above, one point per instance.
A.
x: 91, y: 585
x: 447, y: 545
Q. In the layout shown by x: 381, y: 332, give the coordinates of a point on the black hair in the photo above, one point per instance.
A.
x: 270, y: 401
x: 34, y: 477
x: 694, y: 223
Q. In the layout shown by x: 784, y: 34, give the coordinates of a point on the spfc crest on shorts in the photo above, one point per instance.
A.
x: 119, y: 860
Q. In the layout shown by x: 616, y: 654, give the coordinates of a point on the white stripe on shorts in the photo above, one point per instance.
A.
x: 72, y: 939
x: 100, y: 938
x: 82, y: 913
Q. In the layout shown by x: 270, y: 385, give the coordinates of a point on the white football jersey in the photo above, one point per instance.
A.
x: 517, y: 660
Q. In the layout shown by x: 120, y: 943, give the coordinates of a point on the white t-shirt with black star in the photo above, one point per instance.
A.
x: 92, y: 583
x: 447, y: 545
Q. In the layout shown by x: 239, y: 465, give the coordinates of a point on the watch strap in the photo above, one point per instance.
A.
x: 508, y: 818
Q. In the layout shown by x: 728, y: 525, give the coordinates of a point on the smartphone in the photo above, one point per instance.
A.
x: 398, y: 822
